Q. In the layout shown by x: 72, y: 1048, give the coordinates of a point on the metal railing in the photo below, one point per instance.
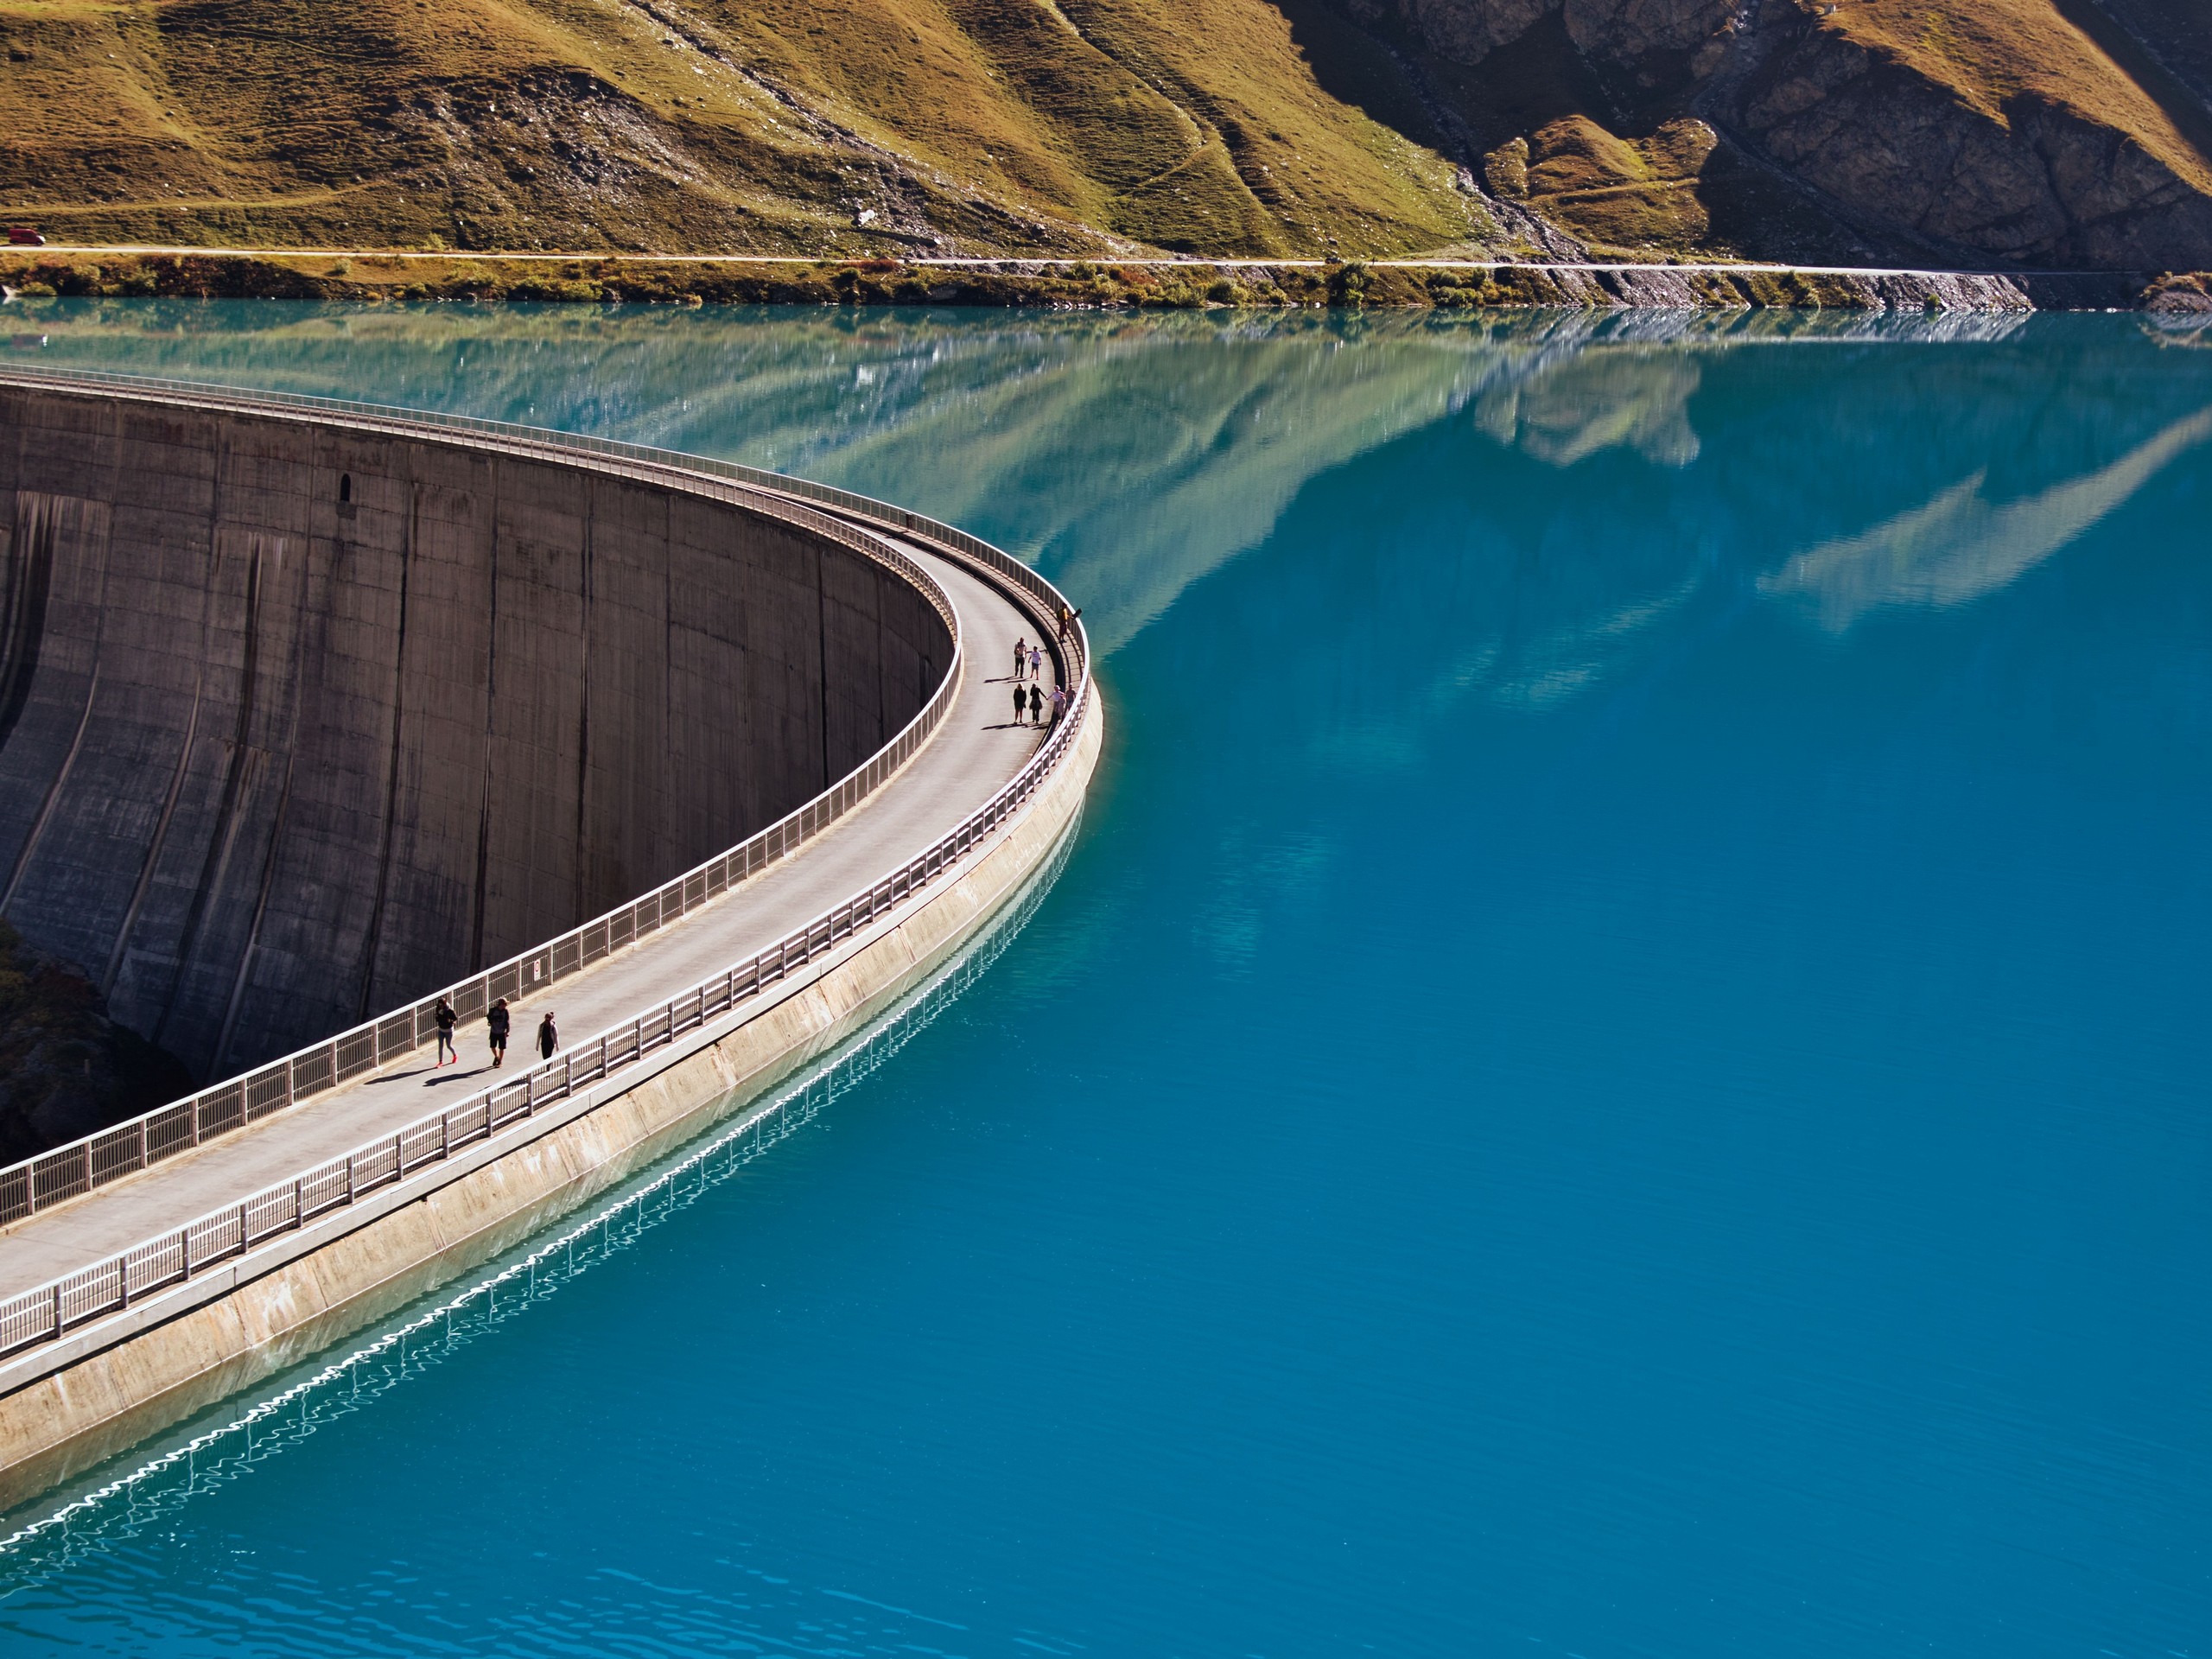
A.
x: 110, y: 1285
x: 49, y: 1312
x: 81, y: 1166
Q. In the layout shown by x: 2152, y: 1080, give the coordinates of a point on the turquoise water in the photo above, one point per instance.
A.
x: 1620, y: 1067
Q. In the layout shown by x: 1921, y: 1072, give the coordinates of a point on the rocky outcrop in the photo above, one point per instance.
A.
x: 1644, y: 36
x: 2034, y: 181
x: 1998, y: 134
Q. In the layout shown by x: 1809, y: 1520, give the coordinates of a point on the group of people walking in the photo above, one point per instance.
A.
x: 1031, y: 705
x: 498, y: 1021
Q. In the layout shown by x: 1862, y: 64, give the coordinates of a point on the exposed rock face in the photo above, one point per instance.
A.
x: 1636, y: 35
x: 1657, y: 41
x: 2043, y: 184
x: 2003, y: 133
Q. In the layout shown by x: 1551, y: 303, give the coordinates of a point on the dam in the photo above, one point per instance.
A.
x: 314, y: 716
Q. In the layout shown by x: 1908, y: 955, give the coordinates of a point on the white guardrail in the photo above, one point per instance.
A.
x: 45, y: 1314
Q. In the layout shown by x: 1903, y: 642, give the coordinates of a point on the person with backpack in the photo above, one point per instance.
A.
x: 496, y: 1023
x: 444, y: 1016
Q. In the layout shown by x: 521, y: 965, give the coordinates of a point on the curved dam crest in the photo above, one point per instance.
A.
x: 299, y: 720
x: 156, y: 1285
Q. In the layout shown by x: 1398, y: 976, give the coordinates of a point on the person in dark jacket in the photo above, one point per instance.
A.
x: 1036, y: 705
x: 443, y: 1016
x: 548, y: 1038
x: 496, y: 1023
x: 1021, y: 703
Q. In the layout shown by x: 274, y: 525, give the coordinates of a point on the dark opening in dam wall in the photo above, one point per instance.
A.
x: 300, y: 720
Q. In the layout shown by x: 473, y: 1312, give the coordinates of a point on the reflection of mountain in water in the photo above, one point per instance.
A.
x: 1960, y: 546
x: 1603, y: 470
x: 1596, y: 400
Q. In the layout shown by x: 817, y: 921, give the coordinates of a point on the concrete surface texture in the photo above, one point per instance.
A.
x: 978, y: 749
x: 801, y: 658
x: 298, y: 721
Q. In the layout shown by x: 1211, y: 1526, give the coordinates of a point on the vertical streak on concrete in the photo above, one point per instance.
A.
x: 582, y: 852
x: 183, y: 769
x: 822, y: 655
x: 244, y: 974
x: 22, y: 609
x: 169, y: 811
x: 244, y: 769
x: 491, y: 701
x: 392, y: 776
x: 52, y: 790
x: 260, y: 909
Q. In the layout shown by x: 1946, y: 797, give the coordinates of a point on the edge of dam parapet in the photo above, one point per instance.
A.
x: 68, y: 1172
x: 116, y: 1380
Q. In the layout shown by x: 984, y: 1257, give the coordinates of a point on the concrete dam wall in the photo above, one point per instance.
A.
x: 298, y: 722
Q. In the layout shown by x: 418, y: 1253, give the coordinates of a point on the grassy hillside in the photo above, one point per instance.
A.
x: 2045, y: 132
x: 803, y: 125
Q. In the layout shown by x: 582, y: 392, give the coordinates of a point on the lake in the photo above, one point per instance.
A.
x: 1619, y: 1068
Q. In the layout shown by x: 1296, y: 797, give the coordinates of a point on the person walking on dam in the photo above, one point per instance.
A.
x: 1021, y: 703
x: 1021, y: 657
x: 1036, y: 705
x: 1036, y: 661
x: 496, y: 1023
x: 443, y: 1016
x: 548, y: 1038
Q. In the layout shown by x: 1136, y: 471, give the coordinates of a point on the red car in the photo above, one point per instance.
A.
x: 23, y: 236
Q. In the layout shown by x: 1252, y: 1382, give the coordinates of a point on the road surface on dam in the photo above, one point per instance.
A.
x: 976, y: 748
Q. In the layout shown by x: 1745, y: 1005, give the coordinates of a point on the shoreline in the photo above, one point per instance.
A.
x: 1074, y: 284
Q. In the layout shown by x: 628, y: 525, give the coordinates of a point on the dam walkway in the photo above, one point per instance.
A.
x: 977, y: 750
x: 369, y: 1115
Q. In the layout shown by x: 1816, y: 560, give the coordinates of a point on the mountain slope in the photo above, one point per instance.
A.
x: 2069, y: 133
x: 2072, y: 133
x: 951, y: 125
